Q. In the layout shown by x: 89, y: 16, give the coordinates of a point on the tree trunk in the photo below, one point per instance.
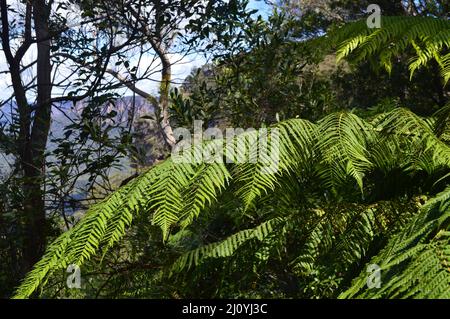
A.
x: 34, y: 161
x: 166, y: 77
x: 155, y: 37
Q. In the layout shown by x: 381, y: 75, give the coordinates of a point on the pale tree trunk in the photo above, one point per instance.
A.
x: 166, y: 77
x: 155, y: 37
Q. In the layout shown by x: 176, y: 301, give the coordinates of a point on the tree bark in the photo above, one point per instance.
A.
x: 33, y: 132
x: 34, y: 206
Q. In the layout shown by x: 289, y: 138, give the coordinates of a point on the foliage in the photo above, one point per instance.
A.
x: 349, y: 167
x: 169, y: 191
x: 415, y: 262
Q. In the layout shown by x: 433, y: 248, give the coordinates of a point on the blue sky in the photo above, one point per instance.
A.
x: 261, y: 6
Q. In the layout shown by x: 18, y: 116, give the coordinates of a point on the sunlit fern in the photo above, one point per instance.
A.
x: 340, y: 148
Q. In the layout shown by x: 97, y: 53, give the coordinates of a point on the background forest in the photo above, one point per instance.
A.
x: 89, y: 110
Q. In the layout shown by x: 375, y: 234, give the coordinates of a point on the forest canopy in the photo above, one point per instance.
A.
x: 304, y: 154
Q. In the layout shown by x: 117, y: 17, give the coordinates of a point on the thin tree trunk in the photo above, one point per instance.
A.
x: 156, y: 40
x: 34, y: 161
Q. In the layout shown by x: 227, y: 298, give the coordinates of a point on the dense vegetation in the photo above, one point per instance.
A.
x: 359, y: 119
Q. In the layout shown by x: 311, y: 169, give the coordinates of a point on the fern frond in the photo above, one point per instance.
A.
x: 165, y: 198
x: 417, y: 135
x: 227, y: 247
x: 342, y: 144
x: 202, y: 190
x: 105, y: 223
x: 442, y: 125
x: 341, y: 148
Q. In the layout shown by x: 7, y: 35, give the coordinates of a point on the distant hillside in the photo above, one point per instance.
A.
x: 64, y: 113
x: 124, y: 107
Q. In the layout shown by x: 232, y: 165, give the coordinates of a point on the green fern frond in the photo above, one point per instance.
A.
x: 417, y: 135
x: 227, y: 247
x: 442, y: 125
x: 105, y: 223
x: 415, y: 263
x: 165, y: 198
x: 343, y: 235
x: 294, y: 140
x: 342, y: 144
x: 340, y: 148
x: 320, y: 240
x: 202, y: 190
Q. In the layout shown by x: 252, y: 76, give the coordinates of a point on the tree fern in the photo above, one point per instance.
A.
x: 342, y: 144
x: 339, y: 148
